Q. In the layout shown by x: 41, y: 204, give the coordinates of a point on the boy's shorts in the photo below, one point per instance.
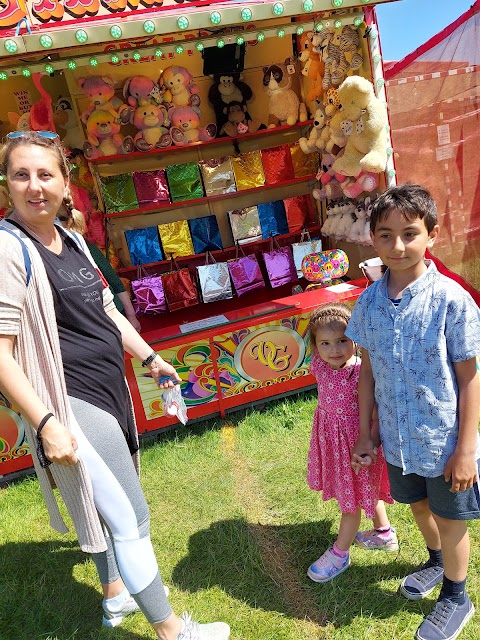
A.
x: 411, y: 488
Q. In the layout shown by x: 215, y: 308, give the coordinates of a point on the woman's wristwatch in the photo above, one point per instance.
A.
x: 148, y: 361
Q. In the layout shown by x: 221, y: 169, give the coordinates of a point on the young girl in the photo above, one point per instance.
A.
x: 336, y: 366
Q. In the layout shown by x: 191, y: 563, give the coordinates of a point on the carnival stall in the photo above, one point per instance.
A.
x: 225, y: 155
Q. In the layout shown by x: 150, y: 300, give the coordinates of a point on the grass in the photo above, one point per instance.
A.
x: 234, y: 527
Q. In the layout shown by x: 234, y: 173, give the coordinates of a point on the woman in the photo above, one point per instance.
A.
x: 62, y: 365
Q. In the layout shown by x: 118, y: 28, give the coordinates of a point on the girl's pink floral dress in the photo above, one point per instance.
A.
x: 334, y: 433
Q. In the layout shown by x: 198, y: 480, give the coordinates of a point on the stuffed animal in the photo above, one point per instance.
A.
x: 313, y: 142
x: 345, y: 223
x: 340, y: 51
x: 141, y: 90
x: 225, y: 90
x: 20, y: 122
x: 329, y: 181
x: 104, y: 137
x: 357, y: 231
x: 366, y: 238
x: 186, y: 126
x: 66, y: 124
x: 366, y: 148
x: 151, y: 120
x: 179, y: 88
x: 365, y: 181
x: 329, y: 221
x: 100, y: 90
x: 336, y: 134
x: 4, y: 201
x: 238, y: 120
x: 40, y: 116
x: 313, y: 68
x: 284, y: 104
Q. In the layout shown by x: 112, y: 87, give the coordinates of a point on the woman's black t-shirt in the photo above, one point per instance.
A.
x: 90, y: 342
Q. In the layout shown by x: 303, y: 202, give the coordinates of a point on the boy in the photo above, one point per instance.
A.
x: 420, y: 334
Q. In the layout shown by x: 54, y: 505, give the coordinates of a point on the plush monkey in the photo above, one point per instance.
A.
x: 227, y: 88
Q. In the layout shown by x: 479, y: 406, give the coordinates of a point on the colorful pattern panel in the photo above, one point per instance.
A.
x: 262, y: 355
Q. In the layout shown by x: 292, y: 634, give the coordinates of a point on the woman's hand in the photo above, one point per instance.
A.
x: 59, y: 443
x: 364, y: 454
x: 161, y: 369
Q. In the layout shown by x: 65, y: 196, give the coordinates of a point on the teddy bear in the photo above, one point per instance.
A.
x: 225, y: 90
x: 100, y: 91
x: 284, y: 105
x: 104, y: 137
x: 151, y: 120
x: 178, y: 87
x: 366, y: 148
x: 329, y: 181
x: 313, y: 68
x: 238, y: 120
x: 312, y: 143
x: 141, y: 90
x: 186, y: 127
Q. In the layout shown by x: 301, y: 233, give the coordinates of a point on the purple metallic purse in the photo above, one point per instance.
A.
x: 148, y: 292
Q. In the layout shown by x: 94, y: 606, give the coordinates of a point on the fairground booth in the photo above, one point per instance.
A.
x: 226, y: 156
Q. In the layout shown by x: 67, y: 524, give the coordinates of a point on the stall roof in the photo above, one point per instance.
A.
x: 46, y: 27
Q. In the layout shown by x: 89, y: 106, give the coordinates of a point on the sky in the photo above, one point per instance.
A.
x: 407, y: 24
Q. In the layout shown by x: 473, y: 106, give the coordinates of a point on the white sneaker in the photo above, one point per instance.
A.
x: 129, y: 606
x: 195, y: 631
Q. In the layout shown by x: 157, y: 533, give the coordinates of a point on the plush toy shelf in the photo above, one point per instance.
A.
x: 127, y: 157
x: 198, y: 201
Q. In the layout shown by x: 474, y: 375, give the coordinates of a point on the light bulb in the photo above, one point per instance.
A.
x: 115, y: 31
x: 149, y: 26
x: 46, y: 41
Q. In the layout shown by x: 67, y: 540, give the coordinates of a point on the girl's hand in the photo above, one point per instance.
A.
x: 59, y: 443
x: 161, y: 369
x: 360, y: 461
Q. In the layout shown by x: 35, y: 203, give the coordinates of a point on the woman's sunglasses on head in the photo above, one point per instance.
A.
x: 50, y: 135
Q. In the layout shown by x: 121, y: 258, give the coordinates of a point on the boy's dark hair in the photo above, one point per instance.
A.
x: 412, y: 200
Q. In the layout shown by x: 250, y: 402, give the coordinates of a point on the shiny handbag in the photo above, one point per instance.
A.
x: 279, y: 263
x: 214, y: 279
x: 245, y: 224
x: 325, y: 266
x: 179, y: 287
x: 205, y: 234
x: 143, y: 245
x: 176, y: 238
x: 149, y: 296
x: 245, y: 272
x: 303, y: 248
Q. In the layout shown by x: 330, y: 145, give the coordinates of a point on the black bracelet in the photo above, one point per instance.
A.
x: 148, y: 361
x: 43, y: 422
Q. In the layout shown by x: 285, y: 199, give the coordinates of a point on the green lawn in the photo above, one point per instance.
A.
x: 235, y: 527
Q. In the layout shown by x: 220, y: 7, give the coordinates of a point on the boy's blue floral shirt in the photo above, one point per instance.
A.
x: 412, y: 349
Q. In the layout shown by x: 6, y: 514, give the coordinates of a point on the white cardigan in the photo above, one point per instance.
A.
x: 28, y: 312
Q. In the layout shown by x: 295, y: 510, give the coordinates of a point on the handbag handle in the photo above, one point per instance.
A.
x: 274, y: 243
x: 173, y: 264
x: 141, y: 271
x: 305, y: 235
x: 207, y: 254
x: 239, y: 248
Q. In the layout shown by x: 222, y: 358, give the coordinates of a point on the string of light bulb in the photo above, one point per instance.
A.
x: 152, y: 51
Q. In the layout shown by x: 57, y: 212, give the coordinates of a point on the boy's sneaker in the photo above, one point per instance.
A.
x: 421, y: 582
x: 373, y: 540
x: 328, y: 566
x: 194, y: 631
x: 128, y: 606
x: 446, y: 620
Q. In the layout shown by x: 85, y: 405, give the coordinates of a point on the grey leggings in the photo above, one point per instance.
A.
x: 122, y: 508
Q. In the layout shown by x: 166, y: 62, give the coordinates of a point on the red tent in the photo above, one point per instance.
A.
x: 434, y: 100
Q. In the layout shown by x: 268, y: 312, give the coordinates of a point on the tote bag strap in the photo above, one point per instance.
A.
x: 274, y: 243
x: 209, y: 256
x: 239, y: 249
x: 305, y: 235
x: 173, y: 264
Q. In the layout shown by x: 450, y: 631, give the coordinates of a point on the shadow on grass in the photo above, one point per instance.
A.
x: 39, y: 598
x: 231, y: 554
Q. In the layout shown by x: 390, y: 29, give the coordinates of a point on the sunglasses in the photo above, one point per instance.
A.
x: 50, y: 135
